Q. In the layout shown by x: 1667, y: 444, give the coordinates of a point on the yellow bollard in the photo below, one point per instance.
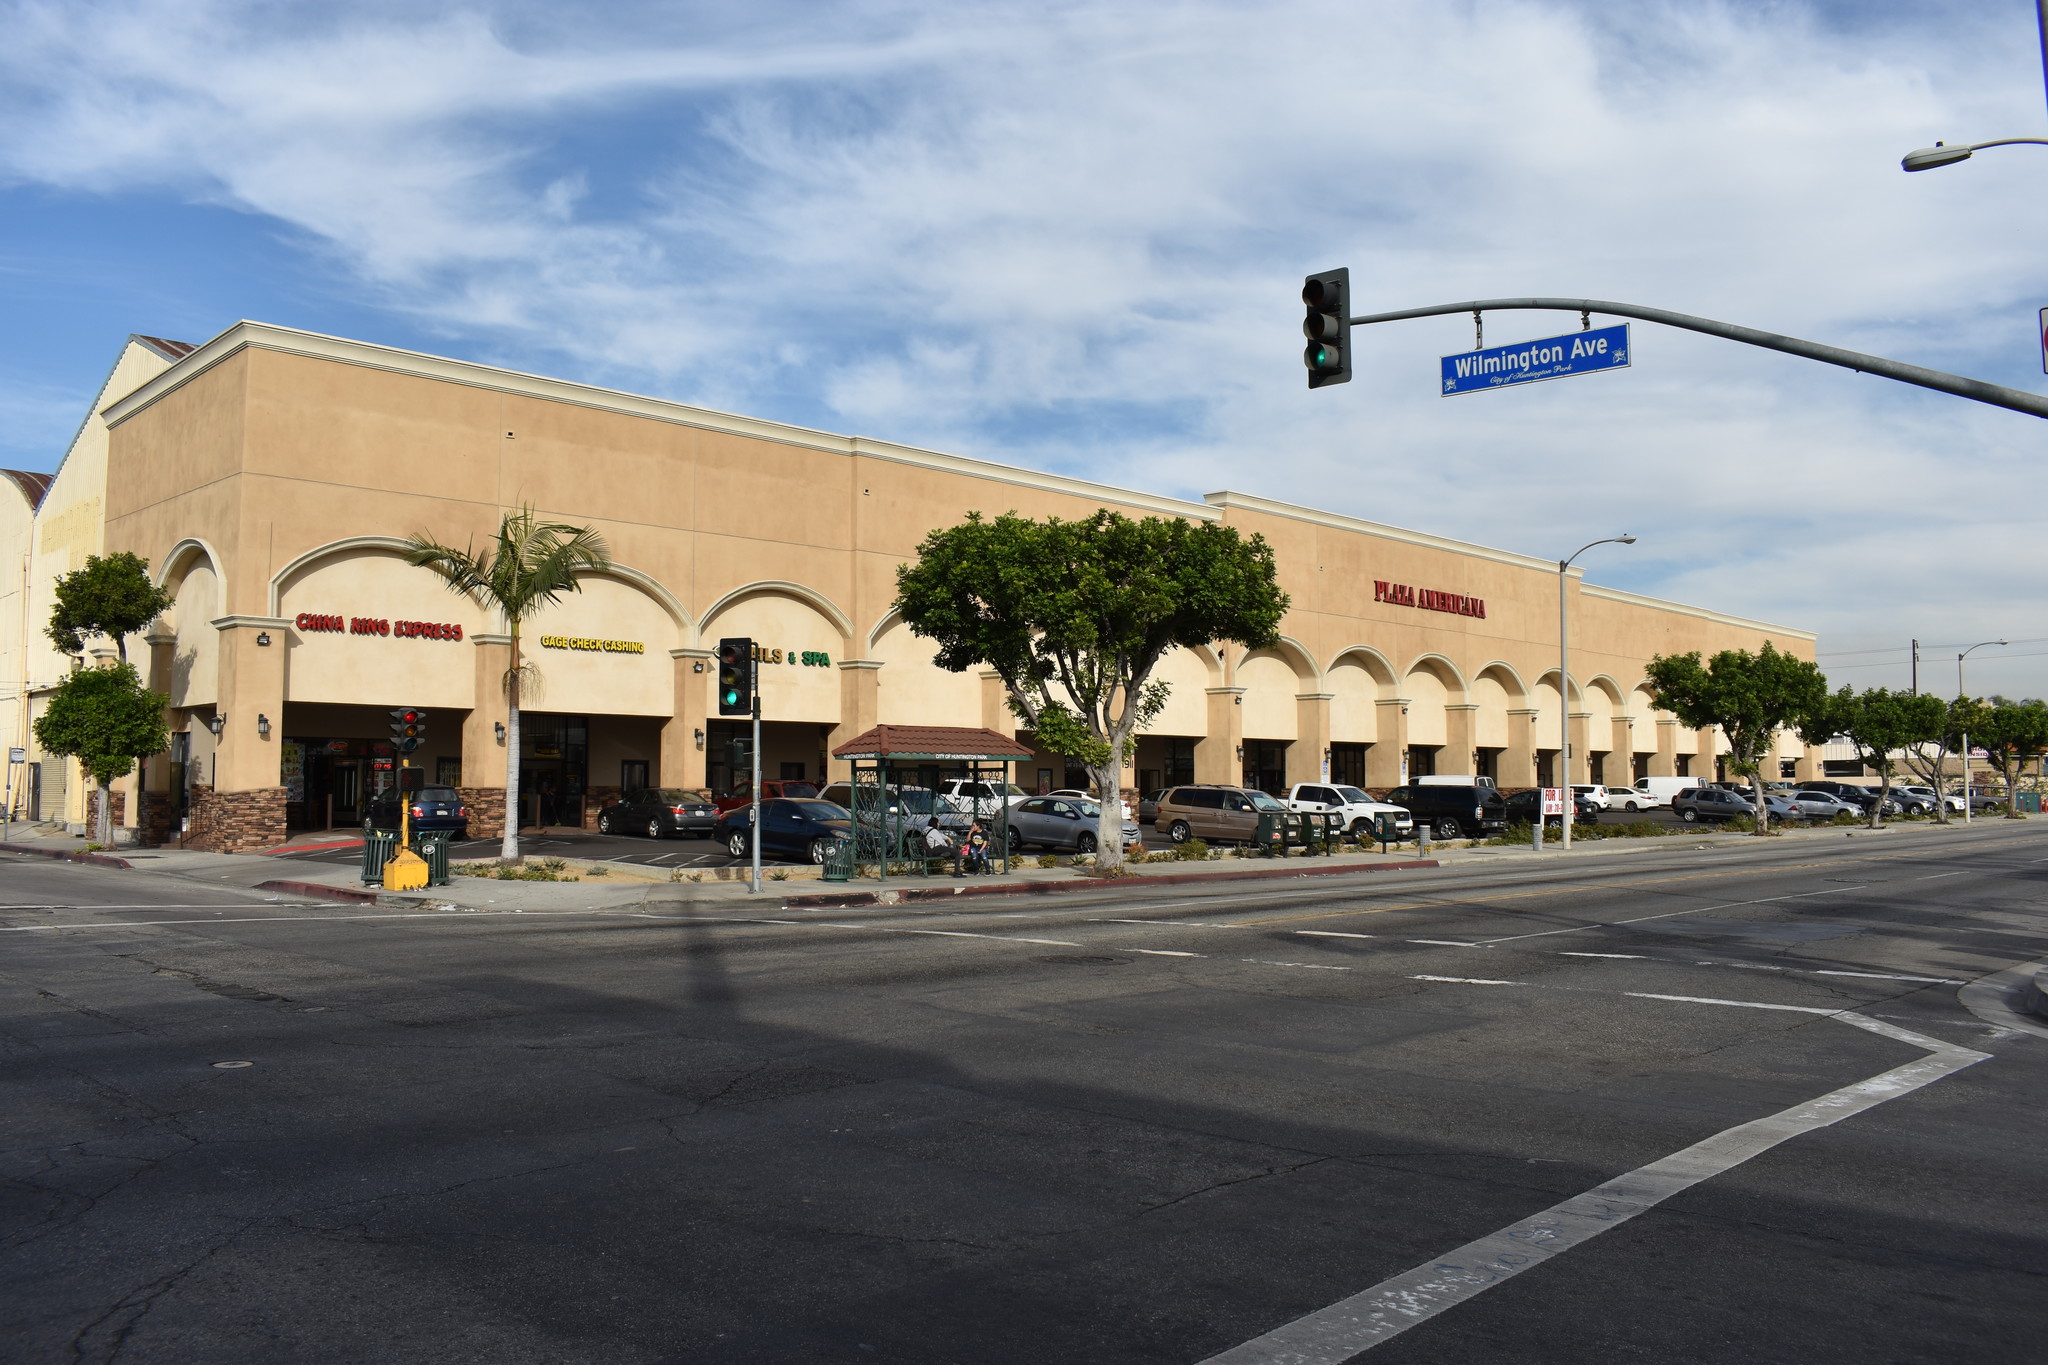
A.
x: 406, y: 872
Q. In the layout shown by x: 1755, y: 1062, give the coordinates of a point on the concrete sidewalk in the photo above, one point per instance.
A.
x: 619, y: 887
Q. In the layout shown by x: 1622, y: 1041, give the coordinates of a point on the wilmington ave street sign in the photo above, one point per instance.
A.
x: 1603, y: 348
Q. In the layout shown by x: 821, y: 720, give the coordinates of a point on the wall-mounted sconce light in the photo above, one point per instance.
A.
x: 262, y: 725
x: 217, y: 722
x: 262, y: 637
x: 700, y: 738
x: 697, y: 666
x: 1237, y: 701
x: 1240, y: 751
x: 1404, y: 710
x: 498, y: 730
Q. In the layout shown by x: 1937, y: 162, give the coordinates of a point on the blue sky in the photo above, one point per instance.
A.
x: 1069, y: 236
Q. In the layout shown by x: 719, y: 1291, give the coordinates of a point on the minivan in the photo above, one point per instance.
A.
x: 1228, y: 815
x: 1453, y: 812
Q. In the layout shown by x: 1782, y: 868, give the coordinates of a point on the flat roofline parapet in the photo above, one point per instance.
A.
x: 247, y: 335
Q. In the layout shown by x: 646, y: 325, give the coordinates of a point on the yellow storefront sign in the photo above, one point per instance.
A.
x: 595, y: 646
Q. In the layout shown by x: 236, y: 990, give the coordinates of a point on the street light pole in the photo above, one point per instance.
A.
x: 1959, y: 673
x: 1564, y: 685
x: 1941, y: 154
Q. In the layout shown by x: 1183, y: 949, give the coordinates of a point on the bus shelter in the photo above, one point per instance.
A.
x: 892, y: 763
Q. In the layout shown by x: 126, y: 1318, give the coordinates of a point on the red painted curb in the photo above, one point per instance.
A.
x: 283, y: 849
x: 948, y: 893
x: 66, y: 855
x: 333, y: 893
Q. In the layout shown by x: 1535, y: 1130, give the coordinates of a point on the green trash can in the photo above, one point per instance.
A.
x: 378, y: 847
x: 2030, y: 802
x: 839, y: 860
x: 434, y: 848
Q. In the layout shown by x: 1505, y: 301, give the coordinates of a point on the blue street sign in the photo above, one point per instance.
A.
x: 1602, y: 348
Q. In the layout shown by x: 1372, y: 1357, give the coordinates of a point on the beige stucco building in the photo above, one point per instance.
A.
x: 269, y: 476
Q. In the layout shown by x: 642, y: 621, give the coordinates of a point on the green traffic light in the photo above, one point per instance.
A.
x: 732, y: 698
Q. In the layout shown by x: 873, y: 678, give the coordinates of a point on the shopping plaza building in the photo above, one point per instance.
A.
x: 270, y: 477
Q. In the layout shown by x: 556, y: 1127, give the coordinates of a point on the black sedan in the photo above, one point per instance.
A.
x: 1522, y: 807
x: 434, y: 809
x: 659, y: 812
x: 791, y: 830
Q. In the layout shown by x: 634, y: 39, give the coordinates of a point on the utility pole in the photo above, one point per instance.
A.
x: 754, y: 882
x: 1916, y: 643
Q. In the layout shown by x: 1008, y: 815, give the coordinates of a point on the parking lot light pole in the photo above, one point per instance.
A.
x: 1959, y: 696
x: 1564, y: 685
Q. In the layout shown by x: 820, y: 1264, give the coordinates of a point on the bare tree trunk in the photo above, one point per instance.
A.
x: 104, y: 826
x: 508, y: 848
x: 1884, y: 791
x: 1763, y: 812
x: 1109, y: 820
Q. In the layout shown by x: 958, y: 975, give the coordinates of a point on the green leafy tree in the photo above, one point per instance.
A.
x: 529, y: 565
x: 2012, y: 734
x: 111, y: 596
x: 1748, y: 697
x: 1882, y: 724
x: 1928, y: 760
x: 106, y: 719
x: 1075, y: 616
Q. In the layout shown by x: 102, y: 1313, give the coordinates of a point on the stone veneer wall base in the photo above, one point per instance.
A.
x: 236, y: 822
x: 486, y: 811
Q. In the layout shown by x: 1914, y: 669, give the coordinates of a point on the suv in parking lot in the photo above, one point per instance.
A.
x: 1710, y: 803
x: 1453, y: 812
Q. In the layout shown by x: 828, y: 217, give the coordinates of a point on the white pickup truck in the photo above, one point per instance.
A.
x: 1355, y: 806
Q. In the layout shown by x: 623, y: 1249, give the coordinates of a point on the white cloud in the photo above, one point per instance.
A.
x: 1071, y: 235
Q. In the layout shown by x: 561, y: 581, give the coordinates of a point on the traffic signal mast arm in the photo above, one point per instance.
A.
x: 1997, y: 395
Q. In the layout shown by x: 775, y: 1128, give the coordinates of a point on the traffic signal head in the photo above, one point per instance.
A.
x: 736, y: 677
x: 408, y: 729
x: 1327, y: 326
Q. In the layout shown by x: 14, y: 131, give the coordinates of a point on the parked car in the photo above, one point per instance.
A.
x: 742, y: 793
x: 791, y: 829
x: 433, y: 809
x: 1453, y: 812
x: 1652, y: 792
x: 1718, y: 803
x: 1594, y: 792
x: 1354, y: 805
x: 1061, y: 822
x: 1148, y: 807
x: 1523, y: 805
x: 911, y: 807
x: 1075, y: 793
x: 1981, y: 797
x: 1863, y: 798
x: 659, y: 813
x: 1820, y: 805
x: 1227, y: 815
x: 981, y: 798
x: 1927, y: 794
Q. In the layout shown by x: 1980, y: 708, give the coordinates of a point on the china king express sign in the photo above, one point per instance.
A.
x: 314, y: 623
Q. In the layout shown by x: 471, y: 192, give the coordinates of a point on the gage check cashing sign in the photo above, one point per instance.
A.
x: 1526, y: 362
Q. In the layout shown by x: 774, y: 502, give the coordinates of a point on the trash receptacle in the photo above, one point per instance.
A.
x: 839, y: 861
x: 434, y: 848
x: 2030, y: 802
x: 378, y: 846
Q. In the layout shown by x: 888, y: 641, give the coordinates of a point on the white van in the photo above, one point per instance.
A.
x: 1652, y: 792
x: 1453, y: 780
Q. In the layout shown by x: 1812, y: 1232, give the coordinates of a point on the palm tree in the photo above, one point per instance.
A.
x: 532, y: 564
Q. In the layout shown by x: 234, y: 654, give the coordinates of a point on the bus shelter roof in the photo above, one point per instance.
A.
x: 941, y: 742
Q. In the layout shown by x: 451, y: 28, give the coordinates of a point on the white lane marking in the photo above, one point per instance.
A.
x: 1361, y: 1322
x: 1674, y: 914
x: 1158, y: 952
x: 1885, y: 976
x: 1631, y: 957
x: 307, y: 919
x: 1311, y: 966
x: 1443, y: 942
x: 1332, y: 933
x: 171, y: 905
x: 1745, y: 1004
x: 940, y: 933
x: 1177, y: 923
x: 1466, y: 980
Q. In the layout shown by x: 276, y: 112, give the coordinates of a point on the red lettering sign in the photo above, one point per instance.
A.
x: 314, y: 623
x: 1428, y: 599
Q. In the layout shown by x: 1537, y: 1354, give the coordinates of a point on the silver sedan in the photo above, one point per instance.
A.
x: 1819, y: 805
x: 1063, y: 822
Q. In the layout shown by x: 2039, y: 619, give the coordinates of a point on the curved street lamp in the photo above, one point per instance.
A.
x: 1941, y: 154
x: 1564, y: 685
x: 1959, y: 696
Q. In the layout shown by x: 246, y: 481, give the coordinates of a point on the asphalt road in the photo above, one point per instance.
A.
x: 1125, y: 1127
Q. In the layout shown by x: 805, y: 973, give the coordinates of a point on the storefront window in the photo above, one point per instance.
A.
x: 554, y: 769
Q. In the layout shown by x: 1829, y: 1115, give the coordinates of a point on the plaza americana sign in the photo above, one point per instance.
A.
x: 1428, y: 599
